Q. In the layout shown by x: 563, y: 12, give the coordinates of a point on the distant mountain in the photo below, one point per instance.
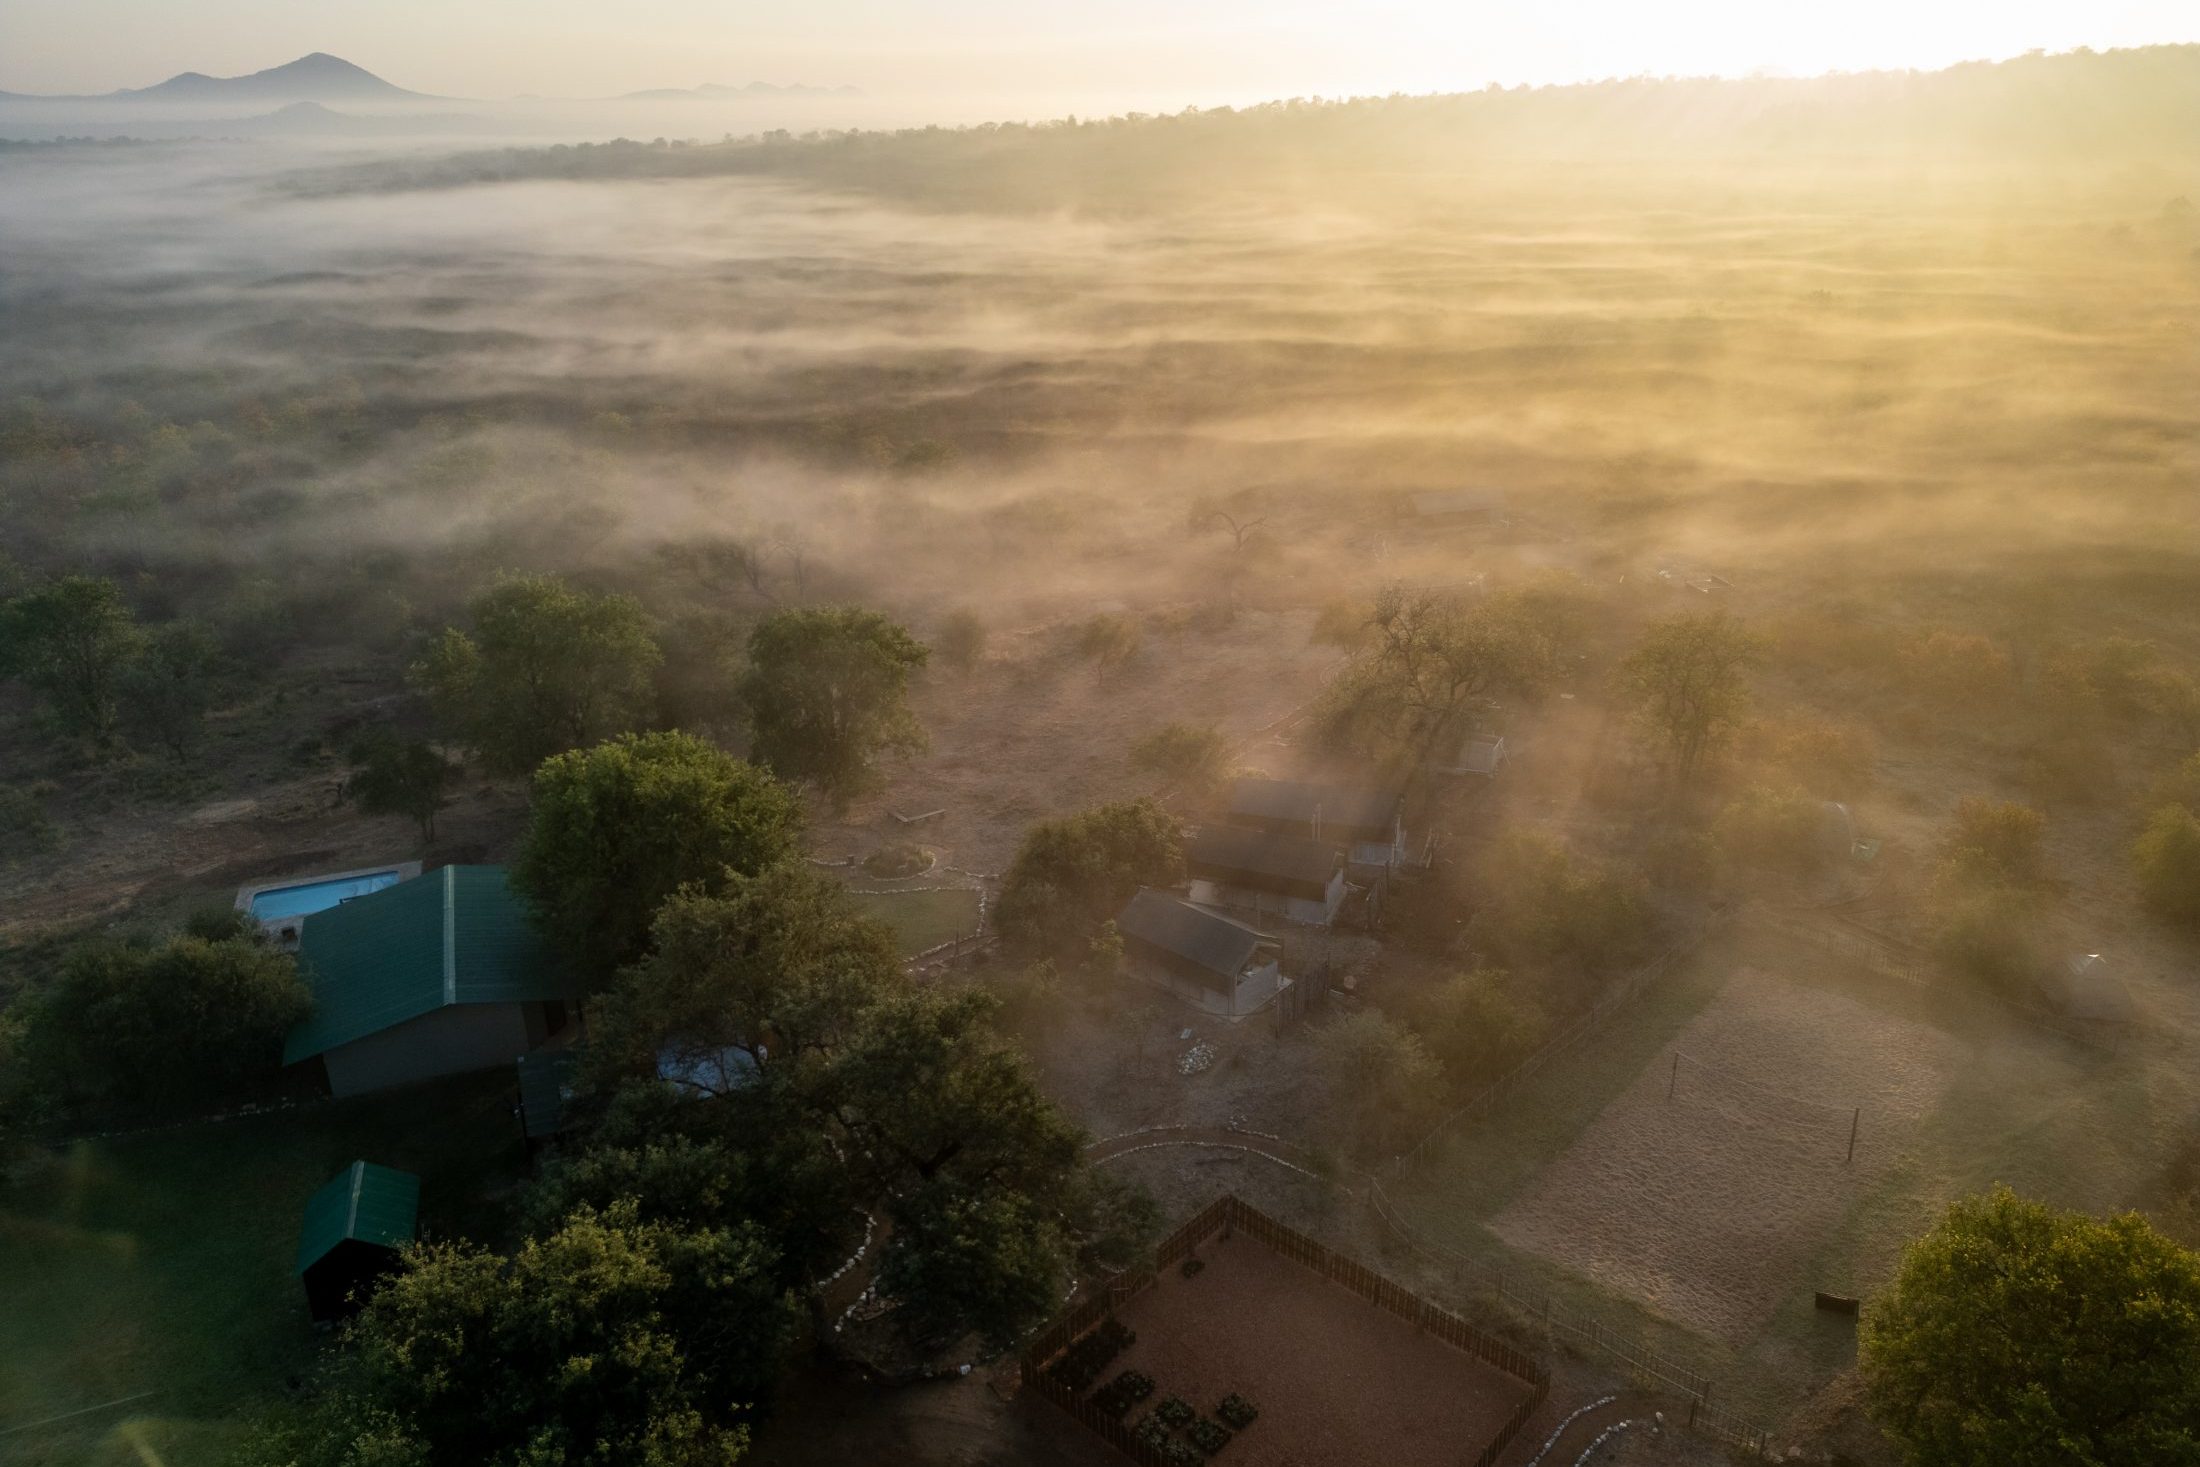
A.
x: 316, y: 78
x: 319, y: 77
x: 720, y: 92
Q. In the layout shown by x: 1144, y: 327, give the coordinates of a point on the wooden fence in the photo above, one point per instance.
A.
x: 1227, y: 1213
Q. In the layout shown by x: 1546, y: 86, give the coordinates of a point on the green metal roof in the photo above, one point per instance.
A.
x: 545, y: 1085
x: 363, y: 1203
x: 459, y: 934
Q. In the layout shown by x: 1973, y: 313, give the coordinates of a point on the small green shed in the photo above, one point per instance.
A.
x: 354, y: 1228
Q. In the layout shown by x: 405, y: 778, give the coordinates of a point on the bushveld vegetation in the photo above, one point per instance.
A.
x: 1094, y: 443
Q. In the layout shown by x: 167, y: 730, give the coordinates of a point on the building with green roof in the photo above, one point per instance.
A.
x: 439, y: 975
x: 355, y: 1227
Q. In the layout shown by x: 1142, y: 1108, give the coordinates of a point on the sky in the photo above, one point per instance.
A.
x: 1128, y: 53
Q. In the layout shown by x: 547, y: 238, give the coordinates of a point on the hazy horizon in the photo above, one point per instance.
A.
x: 968, y: 56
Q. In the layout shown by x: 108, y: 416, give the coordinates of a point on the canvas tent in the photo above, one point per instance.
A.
x: 354, y: 1228
x: 439, y: 975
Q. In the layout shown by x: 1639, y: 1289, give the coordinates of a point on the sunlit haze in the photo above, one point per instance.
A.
x: 1133, y: 53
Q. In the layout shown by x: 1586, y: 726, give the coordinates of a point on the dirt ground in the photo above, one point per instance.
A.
x: 1705, y: 1205
x: 1337, y: 1380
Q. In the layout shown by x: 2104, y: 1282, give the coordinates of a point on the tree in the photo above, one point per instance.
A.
x: 187, y: 1021
x: 1109, y: 642
x: 2166, y: 859
x: 960, y: 640
x: 857, y: 1091
x: 547, y: 668
x: 71, y: 641
x: 390, y: 776
x: 1240, y: 530
x: 1194, y: 755
x: 698, y: 683
x: 1688, y: 679
x: 1542, y: 905
x: 166, y: 689
x: 617, y: 829
x: 2015, y: 1335
x: 610, y: 1341
x: 1432, y: 660
x: 827, y: 694
x: 1478, y: 1026
x: 1072, y: 874
x: 1382, y: 1079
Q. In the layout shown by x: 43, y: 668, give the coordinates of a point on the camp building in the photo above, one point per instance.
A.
x: 1203, y: 957
x: 1288, y: 876
x: 1368, y: 823
x: 439, y: 975
x: 354, y: 1228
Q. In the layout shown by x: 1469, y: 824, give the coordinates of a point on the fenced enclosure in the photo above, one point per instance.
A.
x: 1217, y: 1223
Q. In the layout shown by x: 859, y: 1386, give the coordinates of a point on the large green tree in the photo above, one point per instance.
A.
x: 545, y: 669
x: 167, y: 688
x: 1430, y: 661
x: 617, y: 829
x: 611, y: 1341
x: 2016, y: 1335
x: 826, y: 693
x: 842, y: 1087
x: 71, y: 641
x: 393, y: 776
x: 188, y: 1020
x: 1689, y: 680
x: 1072, y: 875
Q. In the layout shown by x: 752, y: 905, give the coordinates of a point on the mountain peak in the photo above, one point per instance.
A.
x: 314, y: 77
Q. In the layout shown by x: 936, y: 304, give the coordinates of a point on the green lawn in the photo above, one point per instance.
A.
x: 162, y: 1262
x: 922, y: 919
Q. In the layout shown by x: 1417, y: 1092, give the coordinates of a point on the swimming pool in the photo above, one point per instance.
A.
x: 309, y: 897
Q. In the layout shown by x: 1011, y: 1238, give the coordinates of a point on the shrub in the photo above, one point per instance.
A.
x: 1831, y: 760
x: 1957, y: 668
x: 1236, y: 1412
x: 2166, y: 860
x: 2001, y: 837
x: 1080, y: 1365
x: 960, y: 640
x: 1152, y: 1431
x: 1192, y: 1268
x: 1780, y: 831
x: 1543, y: 904
x: 1182, y: 1454
x: 899, y: 859
x: 1209, y: 1436
x: 1174, y: 1412
x: 1478, y: 1025
x: 1122, y: 1393
x: 1191, y: 754
x: 1983, y: 932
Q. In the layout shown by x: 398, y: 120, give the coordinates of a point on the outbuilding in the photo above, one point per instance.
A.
x: 354, y: 1229
x: 1203, y: 957
x: 440, y: 975
x: 1368, y: 823
x: 1288, y: 876
x: 546, y: 1092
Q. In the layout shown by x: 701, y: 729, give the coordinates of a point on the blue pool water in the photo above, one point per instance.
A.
x: 318, y: 896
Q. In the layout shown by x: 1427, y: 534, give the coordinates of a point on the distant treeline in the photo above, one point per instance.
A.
x: 2083, y: 105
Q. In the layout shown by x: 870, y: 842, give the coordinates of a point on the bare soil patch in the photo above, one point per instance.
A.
x: 1337, y: 1380
x: 1706, y: 1206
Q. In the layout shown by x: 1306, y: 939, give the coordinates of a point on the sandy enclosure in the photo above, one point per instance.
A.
x: 1337, y: 1380
x: 1705, y: 1205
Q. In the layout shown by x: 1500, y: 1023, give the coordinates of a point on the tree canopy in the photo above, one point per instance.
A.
x: 827, y: 695
x: 189, y: 1020
x: 617, y: 829
x: 1429, y: 660
x: 71, y: 641
x: 545, y: 669
x: 1072, y: 874
x: 390, y: 776
x: 610, y: 1341
x: 1688, y: 677
x: 2016, y: 1335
